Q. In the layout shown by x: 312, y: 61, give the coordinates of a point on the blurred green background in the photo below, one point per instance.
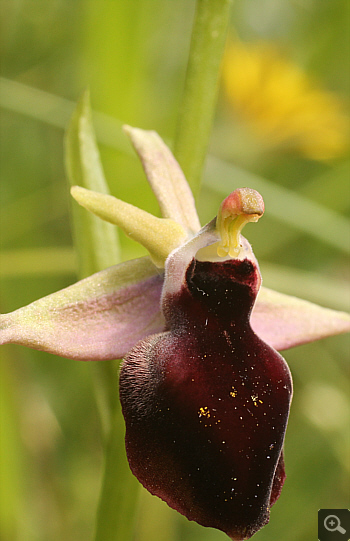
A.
x: 133, y: 57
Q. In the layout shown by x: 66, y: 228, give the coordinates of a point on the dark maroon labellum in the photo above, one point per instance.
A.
x: 206, y: 404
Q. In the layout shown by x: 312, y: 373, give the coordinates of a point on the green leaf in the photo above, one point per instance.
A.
x: 96, y: 241
x: 38, y: 261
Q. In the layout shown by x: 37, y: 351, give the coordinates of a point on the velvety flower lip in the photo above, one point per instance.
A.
x: 206, y: 402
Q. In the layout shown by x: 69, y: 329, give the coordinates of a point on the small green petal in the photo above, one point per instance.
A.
x: 159, y: 236
x: 165, y: 177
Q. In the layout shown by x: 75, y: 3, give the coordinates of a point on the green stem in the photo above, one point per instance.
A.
x: 116, y: 511
x: 119, y: 492
x: 199, y: 99
x: 98, y: 249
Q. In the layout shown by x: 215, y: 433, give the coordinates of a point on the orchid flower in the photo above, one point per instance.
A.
x: 204, y: 393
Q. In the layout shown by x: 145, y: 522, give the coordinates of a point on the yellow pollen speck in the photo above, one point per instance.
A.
x: 233, y: 393
x: 204, y: 412
x: 256, y: 399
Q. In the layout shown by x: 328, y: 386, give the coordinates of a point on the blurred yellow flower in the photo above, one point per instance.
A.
x: 280, y: 103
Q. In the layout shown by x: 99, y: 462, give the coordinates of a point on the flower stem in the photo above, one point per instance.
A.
x: 119, y: 492
x: 98, y: 249
x: 199, y: 98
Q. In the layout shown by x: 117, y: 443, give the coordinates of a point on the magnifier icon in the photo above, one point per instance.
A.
x: 332, y: 524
